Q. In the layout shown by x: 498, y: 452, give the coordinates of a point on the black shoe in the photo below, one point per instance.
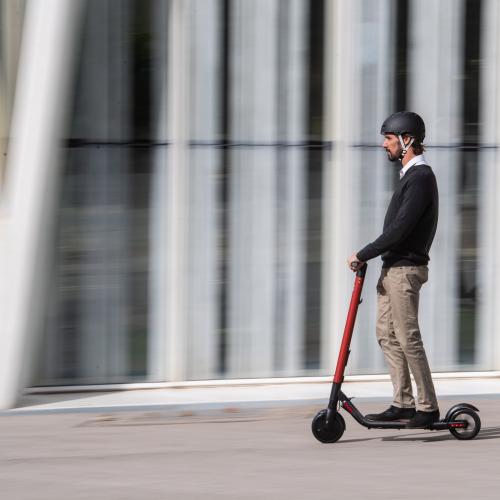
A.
x: 423, y: 419
x: 392, y: 413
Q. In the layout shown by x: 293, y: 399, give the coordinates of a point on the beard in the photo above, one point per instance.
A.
x: 392, y: 157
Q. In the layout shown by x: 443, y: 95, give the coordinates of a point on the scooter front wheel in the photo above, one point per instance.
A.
x: 473, y: 424
x: 329, y: 434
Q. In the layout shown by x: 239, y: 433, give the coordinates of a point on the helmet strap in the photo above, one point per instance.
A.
x: 404, y: 146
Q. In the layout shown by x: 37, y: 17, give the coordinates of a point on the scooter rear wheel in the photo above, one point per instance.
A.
x: 329, y: 434
x: 473, y: 424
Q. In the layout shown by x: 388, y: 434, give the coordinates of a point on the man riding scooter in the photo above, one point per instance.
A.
x: 409, y: 228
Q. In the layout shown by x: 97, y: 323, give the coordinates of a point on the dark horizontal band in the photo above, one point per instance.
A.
x: 82, y: 143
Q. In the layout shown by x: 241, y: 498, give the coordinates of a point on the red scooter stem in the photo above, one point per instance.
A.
x: 349, y: 325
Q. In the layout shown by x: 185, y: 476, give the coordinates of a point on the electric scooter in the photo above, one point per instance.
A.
x: 328, y: 425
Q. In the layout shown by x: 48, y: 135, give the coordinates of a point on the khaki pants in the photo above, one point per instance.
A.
x: 398, y: 334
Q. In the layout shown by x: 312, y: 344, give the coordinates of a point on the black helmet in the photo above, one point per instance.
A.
x: 404, y: 122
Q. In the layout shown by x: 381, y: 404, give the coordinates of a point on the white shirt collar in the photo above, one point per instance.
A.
x: 416, y: 160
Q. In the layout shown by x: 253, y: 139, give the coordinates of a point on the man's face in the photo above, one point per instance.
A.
x: 392, y: 147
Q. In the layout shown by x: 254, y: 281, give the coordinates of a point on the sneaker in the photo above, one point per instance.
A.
x: 423, y: 419
x: 392, y: 413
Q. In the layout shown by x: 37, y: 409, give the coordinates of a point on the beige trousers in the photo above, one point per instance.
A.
x: 398, y: 334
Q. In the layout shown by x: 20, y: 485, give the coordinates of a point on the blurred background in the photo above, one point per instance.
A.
x: 204, y: 168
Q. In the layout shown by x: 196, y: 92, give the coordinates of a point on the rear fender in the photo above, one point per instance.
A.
x: 459, y: 406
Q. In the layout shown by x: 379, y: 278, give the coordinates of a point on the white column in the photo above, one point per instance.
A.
x: 177, y: 182
x: 204, y: 165
x: 49, y: 31
x: 357, y: 180
x: 252, y: 233
x: 435, y: 83
x: 488, y: 272
x: 339, y: 193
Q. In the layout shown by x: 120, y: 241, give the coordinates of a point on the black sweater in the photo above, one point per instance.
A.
x: 410, y: 222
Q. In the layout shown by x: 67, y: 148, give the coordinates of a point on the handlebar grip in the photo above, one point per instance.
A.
x: 360, y: 270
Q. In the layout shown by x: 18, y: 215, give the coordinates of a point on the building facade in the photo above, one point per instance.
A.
x: 183, y: 181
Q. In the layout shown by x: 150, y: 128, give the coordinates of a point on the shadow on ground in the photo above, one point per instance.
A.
x: 426, y: 437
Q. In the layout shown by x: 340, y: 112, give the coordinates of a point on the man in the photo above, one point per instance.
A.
x: 409, y: 228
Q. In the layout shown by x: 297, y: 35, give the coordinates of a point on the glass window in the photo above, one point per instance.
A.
x: 98, y: 322
x: 255, y: 160
x: 468, y: 187
x: 11, y: 23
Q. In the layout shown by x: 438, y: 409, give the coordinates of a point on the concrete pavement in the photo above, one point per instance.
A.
x: 241, y: 452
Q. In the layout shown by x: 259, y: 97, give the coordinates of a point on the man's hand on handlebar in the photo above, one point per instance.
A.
x: 354, y: 263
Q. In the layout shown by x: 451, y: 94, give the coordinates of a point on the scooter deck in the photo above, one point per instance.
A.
x: 402, y: 424
x: 347, y: 404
